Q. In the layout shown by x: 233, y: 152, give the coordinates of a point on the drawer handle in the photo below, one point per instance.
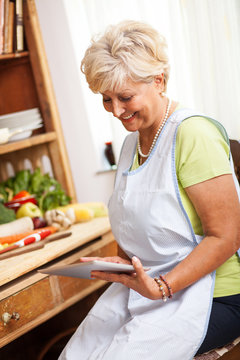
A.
x: 6, y: 317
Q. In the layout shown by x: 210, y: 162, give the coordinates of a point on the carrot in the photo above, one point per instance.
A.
x: 13, y: 238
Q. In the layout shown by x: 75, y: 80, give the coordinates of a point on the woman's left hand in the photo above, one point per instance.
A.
x: 138, y: 281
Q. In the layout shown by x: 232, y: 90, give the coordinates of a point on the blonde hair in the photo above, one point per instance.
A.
x: 129, y: 50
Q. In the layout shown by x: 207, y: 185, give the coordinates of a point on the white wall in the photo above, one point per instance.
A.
x: 204, y: 57
x: 64, y: 36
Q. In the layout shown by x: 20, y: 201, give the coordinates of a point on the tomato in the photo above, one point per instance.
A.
x: 21, y: 194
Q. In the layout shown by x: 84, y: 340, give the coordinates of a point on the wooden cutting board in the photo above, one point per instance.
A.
x: 16, y: 266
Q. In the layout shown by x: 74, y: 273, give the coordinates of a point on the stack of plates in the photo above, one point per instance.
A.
x: 22, y: 122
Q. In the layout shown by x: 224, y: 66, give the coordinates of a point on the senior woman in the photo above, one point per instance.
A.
x: 174, y: 209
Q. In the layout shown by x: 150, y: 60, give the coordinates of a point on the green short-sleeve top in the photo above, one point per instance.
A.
x: 201, y: 154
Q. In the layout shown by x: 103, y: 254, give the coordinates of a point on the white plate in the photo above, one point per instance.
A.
x: 83, y: 270
x: 17, y: 122
x: 30, y: 125
x: 24, y: 113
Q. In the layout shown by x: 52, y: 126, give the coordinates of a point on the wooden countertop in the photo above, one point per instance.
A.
x: 17, y: 266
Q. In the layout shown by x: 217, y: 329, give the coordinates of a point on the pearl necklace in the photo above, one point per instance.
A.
x: 157, y: 134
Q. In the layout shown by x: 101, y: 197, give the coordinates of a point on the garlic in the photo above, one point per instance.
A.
x: 48, y: 217
x: 66, y: 223
x: 70, y: 213
x: 59, y: 212
x: 58, y: 219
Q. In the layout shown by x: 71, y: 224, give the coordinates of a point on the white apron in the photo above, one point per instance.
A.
x: 148, y: 220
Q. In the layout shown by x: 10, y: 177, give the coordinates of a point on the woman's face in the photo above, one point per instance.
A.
x: 137, y: 105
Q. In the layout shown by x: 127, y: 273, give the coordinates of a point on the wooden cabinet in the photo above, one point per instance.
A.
x: 25, y: 83
x: 36, y: 297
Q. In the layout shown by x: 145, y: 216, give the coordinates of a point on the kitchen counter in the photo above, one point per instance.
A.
x: 16, y: 266
x: 37, y: 297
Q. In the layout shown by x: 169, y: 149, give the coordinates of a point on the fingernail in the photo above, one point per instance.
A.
x: 134, y: 258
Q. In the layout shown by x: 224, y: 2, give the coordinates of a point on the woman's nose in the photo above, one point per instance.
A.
x: 117, y: 109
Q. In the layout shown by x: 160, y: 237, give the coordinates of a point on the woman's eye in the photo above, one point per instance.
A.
x: 121, y: 98
x: 125, y: 99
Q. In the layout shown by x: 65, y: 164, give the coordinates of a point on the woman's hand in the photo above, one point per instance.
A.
x: 138, y: 281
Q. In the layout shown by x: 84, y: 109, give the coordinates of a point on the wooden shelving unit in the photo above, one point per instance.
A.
x: 25, y: 84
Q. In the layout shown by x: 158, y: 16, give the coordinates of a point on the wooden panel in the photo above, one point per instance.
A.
x: 233, y: 354
x: 17, y: 87
x: 71, y: 286
x: 29, y: 303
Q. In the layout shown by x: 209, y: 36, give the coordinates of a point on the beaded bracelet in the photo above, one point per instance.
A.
x: 167, y: 285
x: 158, y: 281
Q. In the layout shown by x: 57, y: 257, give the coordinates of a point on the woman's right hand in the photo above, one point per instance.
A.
x: 114, y: 259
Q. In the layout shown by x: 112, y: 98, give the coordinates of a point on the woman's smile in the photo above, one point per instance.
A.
x: 128, y: 118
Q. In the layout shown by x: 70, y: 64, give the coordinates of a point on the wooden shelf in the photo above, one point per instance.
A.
x: 26, y: 143
x: 14, y: 55
x: 26, y: 84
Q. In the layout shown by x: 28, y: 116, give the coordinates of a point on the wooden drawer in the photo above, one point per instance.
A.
x: 28, y: 303
x: 45, y: 296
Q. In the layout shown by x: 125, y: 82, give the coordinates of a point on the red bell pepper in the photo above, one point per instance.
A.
x: 21, y: 194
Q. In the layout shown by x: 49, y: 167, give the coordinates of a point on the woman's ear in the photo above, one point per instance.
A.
x: 159, y: 82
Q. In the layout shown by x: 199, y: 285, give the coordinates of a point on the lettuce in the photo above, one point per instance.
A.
x: 47, y: 190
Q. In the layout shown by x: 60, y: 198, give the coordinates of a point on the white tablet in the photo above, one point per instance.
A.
x: 83, y: 270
